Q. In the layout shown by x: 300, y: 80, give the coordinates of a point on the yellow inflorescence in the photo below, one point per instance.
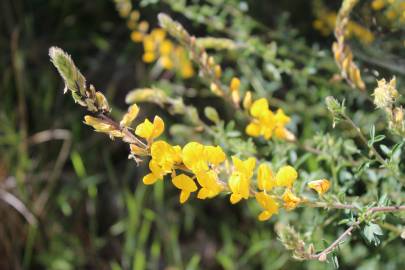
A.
x: 198, y: 167
x: 265, y: 123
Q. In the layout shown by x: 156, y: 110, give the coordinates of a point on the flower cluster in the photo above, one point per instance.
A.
x: 158, y: 48
x: 266, y: 123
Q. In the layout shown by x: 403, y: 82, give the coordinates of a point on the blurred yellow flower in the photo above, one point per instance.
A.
x: 269, y: 205
x: 286, y: 176
x: 186, y: 185
x: 320, y: 186
x: 239, y: 181
x: 150, y: 131
x: 130, y: 116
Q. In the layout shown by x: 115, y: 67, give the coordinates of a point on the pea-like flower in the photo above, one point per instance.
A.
x: 210, y: 186
x: 269, y: 205
x: 239, y: 181
x: 149, y: 130
x: 198, y: 157
x: 291, y: 201
x: 186, y: 185
x: 320, y: 186
x: 265, y: 123
x: 164, y: 157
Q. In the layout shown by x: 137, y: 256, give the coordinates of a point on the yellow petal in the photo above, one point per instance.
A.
x: 214, y: 155
x: 184, y: 195
x: 130, y: 116
x: 158, y: 127
x: 265, y: 215
x: 235, y: 198
x: 253, y: 129
x: 286, y: 176
x: 259, y: 107
x: 184, y: 182
x: 149, y: 179
x: 144, y: 129
x: 265, y: 179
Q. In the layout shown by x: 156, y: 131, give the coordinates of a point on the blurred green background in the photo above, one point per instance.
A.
x: 84, y: 206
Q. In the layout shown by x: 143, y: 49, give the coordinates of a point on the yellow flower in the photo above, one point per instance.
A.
x: 150, y: 131
x: 164, y: 157
x: 378, y: 4
x: 291, y: 201
x: 166, y: 47
x: 320, y: 186
x: 149, y: 44
x: 193, y: 157
x: 130, y: 116
x: 286, y: 176
x: 214, y: 154
x: 158, y: 34
x: 137, y: 36
x: 239, y: 181
x: 186, y: 185
x: 148, y: 57
x: 197, y: 157
x: 263, y: 122
x: 269, y: 205
x: 235, y: 84
x: 210, y: 186
x: 265, y: 178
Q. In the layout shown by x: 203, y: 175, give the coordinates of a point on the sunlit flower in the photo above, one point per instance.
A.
x: 265, y: 178
x: 320, y: 186
x: 291, y: 201
x: 150, y: 131
x: 239, y: 181
x: 286, y: 176
x: 263, y: 122
x: 269, y: 205
x: 186, y: 185
x: 197, y: 157
x: 209, y: 183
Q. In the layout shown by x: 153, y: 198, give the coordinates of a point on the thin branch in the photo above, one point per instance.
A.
x: 322, y: 255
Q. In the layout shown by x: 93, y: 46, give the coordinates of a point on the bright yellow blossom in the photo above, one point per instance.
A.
x: 164, y: 157
x: 150, y: 131
x: 210, y: 186
x: 197, y: 157
x: 286, y: 176
x: 263, y: 122
x: 291, y: 201
x: 320, y: 186
x: 193, y: 157
x: 269, y: 205
x: 265, y: 178
x: 239, y: 181
x: 186, y: 185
